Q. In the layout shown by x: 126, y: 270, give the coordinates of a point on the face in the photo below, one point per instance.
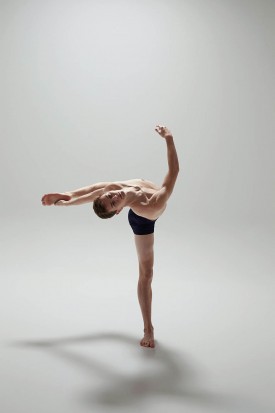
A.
x: 113, y: 200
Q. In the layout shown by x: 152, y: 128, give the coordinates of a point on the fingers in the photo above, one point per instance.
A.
x: 161, y: 129
x: 43, y: 200
x: 46, y: 200
x: 60, y: 202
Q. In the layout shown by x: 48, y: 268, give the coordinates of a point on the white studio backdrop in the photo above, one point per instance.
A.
x: 85, y: 82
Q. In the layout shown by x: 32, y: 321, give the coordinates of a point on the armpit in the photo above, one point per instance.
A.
x: 159, y: 199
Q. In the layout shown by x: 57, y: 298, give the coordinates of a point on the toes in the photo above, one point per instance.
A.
x: 149, y: 343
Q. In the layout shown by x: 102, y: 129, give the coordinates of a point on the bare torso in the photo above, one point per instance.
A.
x: 145, y: 190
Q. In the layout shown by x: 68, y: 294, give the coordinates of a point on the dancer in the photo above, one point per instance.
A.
x: 147, y: 202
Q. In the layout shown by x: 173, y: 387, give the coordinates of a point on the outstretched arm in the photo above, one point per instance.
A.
x: 88, y: 189
x: 76, y: 197
x: 79, y: 200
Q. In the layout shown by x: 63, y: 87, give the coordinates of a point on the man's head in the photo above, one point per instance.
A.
x: 109, y: 204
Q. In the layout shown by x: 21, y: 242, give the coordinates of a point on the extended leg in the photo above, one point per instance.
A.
x: 145, y: 252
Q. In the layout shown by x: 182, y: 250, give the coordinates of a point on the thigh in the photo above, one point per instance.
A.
x: 145, y: 249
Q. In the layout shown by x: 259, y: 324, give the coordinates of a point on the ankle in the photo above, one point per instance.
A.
x: 149, y: 329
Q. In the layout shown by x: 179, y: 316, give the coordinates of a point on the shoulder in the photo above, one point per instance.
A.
x: 160, y: 197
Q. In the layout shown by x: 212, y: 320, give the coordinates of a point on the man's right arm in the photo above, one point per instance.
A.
x: 88, y: 189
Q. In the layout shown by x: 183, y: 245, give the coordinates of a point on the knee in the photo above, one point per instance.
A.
x: 145, y: 274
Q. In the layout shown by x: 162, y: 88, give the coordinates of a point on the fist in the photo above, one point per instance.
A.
x: 163, y: 131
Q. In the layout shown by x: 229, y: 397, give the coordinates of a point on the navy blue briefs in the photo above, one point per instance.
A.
x: 140, y: 225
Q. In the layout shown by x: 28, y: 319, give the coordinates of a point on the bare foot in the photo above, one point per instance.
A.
x: 148, y: 339
x: 50, y: 199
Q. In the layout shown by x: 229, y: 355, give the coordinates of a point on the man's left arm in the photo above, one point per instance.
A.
x: 168, y: 184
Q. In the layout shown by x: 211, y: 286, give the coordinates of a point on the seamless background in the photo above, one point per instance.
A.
x: 83, y: 84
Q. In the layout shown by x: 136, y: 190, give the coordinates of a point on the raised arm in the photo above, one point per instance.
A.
x: 172, y: 157
x: 159, y: 199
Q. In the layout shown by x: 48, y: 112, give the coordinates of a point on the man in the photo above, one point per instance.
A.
x: 147, y: 202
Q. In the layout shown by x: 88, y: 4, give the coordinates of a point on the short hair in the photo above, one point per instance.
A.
x: 101, y: 211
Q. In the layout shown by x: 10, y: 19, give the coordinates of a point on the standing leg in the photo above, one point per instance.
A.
x: 145, y: 252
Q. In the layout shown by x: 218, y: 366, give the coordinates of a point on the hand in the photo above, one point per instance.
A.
x: 163, y: 131
x: 52, y: 199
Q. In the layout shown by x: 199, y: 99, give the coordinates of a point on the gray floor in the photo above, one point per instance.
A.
x: 70, y: 321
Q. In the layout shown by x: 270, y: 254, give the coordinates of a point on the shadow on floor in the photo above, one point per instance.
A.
x: 170, y: 378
